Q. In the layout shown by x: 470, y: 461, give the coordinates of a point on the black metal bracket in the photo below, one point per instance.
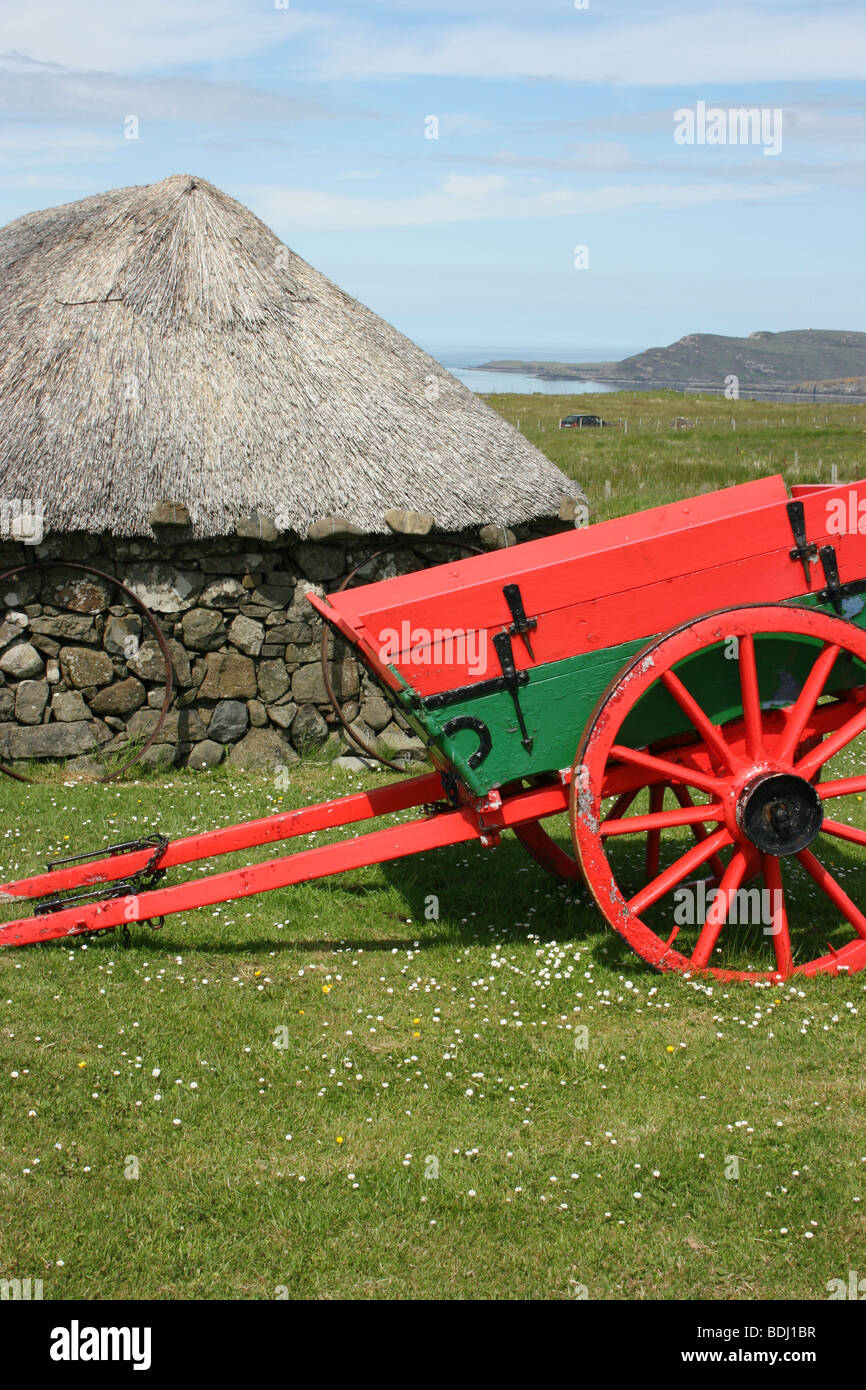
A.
x: 451, y: 786
x: 833, y: 590
x: 510, y: 680
x: 470, y: 692
x: 836, y: 592
x: 522, y: 626
x: 804, y: 550
x: 510, y: 676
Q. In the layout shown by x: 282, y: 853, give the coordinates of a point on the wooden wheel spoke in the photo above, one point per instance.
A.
x: 655, y: 821
x: 843, y: 786
x: 751, y: 697
x: 672, y: 772
x: 622, y: 804
x: 834, y: 890
x: 779, y: 929
x: 654, y: 834
x: 851, y: 833
x: 732, y: 878
x: 683, y: 796
x: 680, y: 869
x: 709, y: 732
x: 808, y: 766
x: 804, y: 707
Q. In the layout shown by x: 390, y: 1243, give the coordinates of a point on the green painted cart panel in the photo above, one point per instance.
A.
x: 556, y: 703
x: 560, y: 697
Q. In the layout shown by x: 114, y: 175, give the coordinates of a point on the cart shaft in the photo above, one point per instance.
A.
x: 482, y: 819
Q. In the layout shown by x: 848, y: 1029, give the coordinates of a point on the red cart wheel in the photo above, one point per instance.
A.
x: 540, y: 844
x: 758, y: 774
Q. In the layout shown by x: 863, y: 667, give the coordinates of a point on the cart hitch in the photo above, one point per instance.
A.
x: 147, y: 877
x: 125, y: 847
x: 126, y: 888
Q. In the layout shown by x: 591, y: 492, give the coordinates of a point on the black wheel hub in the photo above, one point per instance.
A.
x: 780, y: 813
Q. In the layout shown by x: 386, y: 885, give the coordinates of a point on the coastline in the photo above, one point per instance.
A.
x: 594, y: 374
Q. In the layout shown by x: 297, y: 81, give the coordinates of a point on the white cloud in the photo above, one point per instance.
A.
x: 473, y: 185
x: 111, y: 35
x: 34, y: 145
x: 823, y: 44
x: 787, y: 42
x: 464, y: 123
x: 288, y: 209
x: 50, y: 89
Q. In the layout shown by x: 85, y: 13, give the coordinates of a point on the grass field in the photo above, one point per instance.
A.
x: 376, y: 1086
x: 649, y: 462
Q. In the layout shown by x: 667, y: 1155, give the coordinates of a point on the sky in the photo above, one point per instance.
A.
x: 519, y: 176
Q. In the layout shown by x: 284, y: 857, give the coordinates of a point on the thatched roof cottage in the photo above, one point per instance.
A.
x: 191, y: 407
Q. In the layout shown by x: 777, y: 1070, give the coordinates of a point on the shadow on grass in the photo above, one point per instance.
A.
x: 460, y: 896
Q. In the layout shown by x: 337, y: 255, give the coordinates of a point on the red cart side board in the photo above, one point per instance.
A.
x: 551, y: 550
x: 594, y: 588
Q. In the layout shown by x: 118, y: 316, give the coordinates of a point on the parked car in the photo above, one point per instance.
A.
x: 583, y: 422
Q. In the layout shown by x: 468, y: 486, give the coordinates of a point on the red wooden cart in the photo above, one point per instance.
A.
x: 689, y: 671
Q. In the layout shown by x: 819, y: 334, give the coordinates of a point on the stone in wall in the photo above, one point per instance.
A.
x: 31, y: 697
x: 228, y: 676
x: 21, y: 662
x: 82, y: 667
x: 229, y: 721
x: 162, y: 587
x: 203, y: 629
x: 124, y: 697
x: 149, y: 663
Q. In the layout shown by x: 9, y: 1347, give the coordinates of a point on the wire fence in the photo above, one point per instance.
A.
x: 654, y: 424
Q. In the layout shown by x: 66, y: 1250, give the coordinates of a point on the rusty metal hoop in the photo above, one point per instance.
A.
x: 149, y: 619
x: 358, y: 741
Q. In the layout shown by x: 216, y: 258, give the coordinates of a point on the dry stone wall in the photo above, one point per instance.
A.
x: 83, y: 678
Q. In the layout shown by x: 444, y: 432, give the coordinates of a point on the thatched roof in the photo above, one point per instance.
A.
x: 159, y: 342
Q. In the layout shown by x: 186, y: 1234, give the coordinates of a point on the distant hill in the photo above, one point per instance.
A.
x: 808, y: 359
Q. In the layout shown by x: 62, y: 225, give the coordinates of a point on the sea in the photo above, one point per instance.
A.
x: 463, y: 362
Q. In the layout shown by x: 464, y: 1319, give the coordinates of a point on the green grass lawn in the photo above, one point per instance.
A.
x: 648, y: 463
x: 376, y: 1086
